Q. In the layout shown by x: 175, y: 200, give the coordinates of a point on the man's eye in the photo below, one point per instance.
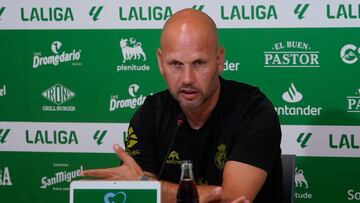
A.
x: 199, y: 63
x: 175, y: 65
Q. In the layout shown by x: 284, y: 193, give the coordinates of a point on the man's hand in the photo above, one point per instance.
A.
x: 214, y: 195
x: 129, y: 170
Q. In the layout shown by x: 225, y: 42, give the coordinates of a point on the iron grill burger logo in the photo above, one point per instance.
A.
x: 57, y: 57
x: 58, y: 94
x: 132, y: 102
x: 291, y: 54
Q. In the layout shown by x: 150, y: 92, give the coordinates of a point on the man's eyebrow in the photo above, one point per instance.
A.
x: 173, y: 61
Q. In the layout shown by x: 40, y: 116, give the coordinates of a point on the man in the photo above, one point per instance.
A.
x: 230, y: 130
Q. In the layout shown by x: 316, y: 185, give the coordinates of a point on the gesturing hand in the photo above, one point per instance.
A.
x: 129, y: 170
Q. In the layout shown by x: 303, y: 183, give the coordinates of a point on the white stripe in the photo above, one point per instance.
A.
x: 315, y: 15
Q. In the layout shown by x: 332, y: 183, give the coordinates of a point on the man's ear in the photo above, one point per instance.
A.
x: 159, y: 60
x: 220, y: 59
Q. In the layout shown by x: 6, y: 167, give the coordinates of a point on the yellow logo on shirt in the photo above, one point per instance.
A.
x: 220, y: 157
x: 173, y: 158
x: 131, y: 140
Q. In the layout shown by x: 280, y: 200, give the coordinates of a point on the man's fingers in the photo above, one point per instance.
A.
x: 99, y: 173
x: 241, y: 200
x: 126, y: 158
x: 213, y: 196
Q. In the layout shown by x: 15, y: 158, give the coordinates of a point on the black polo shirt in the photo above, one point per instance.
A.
x: 243, y: 127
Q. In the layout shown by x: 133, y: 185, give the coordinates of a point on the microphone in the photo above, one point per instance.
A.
x: 179, y: 122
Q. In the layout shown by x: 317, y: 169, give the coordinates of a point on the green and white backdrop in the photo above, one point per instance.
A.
x: 72, y: 73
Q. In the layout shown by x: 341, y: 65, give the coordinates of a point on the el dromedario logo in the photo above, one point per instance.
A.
x: 132, y: 54
x: 57, y: 57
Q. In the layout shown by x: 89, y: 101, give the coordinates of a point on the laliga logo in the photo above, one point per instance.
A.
x: 348, y: 54
x: 119, y: 197
x: 292, y: 95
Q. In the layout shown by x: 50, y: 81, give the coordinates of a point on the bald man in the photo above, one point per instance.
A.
x: 230, y: 130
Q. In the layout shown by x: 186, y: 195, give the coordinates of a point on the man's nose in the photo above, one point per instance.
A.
x: 188, y: 75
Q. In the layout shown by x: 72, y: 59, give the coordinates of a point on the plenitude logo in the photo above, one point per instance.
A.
x: 5, y: 179
x: 350, y: 53
x: 291, y: 54
x: 2, y: 90
x: 135, y: 101
x: 353, y: 102
x: 58, y: 94
x: 292, y: 96
x: 57, y: 57
x: 301, y: 182
x: 132, y: 50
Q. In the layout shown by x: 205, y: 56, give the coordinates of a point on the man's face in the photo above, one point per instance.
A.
x: 190, y: 66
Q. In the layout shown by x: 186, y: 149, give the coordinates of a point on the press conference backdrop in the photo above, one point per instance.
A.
x: 73, y: 73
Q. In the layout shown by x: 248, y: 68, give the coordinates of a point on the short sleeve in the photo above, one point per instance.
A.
x: 140, y: 143
x: 257, y: 142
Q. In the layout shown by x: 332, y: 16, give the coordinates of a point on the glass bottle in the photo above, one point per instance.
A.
x: 187, y: 191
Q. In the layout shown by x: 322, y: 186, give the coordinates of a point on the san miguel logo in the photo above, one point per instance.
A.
x: 132, y: 54
x: 133, y: 102
x: 57, y: 57
x: 291, y: 54
x: 58, y: 94
x: 60, y: 177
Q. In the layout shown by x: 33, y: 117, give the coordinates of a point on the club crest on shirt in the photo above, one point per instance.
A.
x: 131, y: 140
x: 220, y: 157
x: 173, y: 158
